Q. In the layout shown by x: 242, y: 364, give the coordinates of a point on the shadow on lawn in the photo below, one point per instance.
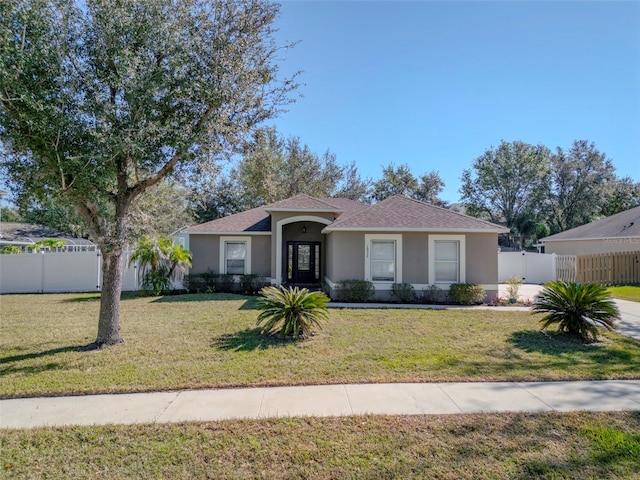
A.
x: 9, y: 364
x: 249, y: 303
x: 247, y: 341
x: 549, y: 343
x: 561, y: 344
x: 95, y: 297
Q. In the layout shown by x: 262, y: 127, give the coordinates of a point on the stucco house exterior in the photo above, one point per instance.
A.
x: 617, y: 233
x: 311, y: 241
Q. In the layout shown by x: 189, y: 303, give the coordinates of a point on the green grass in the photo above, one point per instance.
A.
x: 626, y: 292
x: 200, y: 341
x: 551, y: 445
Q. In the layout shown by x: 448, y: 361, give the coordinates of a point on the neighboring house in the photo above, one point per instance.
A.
x: 25, y: 235
x: 617, y: 233
x: 310, y: 241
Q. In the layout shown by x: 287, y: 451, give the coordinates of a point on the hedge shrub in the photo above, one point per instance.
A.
x: 355, y: 291
x: 466, y: 293
x: 403, y: 292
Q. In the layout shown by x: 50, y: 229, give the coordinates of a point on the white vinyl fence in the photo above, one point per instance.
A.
x: 530, y: 267
x: 58, y: 272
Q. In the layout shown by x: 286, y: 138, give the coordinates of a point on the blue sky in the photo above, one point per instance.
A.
x: 433, y: 84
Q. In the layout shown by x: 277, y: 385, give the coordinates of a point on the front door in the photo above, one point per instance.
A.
x: 303, y: 262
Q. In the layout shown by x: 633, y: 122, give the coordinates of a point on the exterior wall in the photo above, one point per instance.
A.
x: 205, y: 250
x: 260, y: 255
x: 482, y: 258
x: 415, y: 258
x: 346, y: 256
x: 589, y: 247
x: 346, y: 260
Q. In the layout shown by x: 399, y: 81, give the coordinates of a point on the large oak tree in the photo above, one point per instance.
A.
x: 507, y: 182
x: 100, y: 100
x: 582, y: 178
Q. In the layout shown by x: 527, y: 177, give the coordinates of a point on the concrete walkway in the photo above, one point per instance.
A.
x: 322, y: 400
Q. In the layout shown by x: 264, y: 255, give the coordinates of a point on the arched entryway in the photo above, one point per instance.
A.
x: 300, y: 250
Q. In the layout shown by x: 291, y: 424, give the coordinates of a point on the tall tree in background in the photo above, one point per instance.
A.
x: 622, y: 194
x: 400, y: 181
x: 100, y: 100
x: 352, y: 185
x: 224, y: 197
x: 506, y: 182
x: 51, y: 211
x: 394, y: 181
x: 430, y: 186
x: 581, y: 177
x: 274, y: 169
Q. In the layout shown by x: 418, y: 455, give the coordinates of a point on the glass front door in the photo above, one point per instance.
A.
x: 303, y: 262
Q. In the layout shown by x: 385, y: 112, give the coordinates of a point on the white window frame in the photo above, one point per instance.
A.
x: 223, y: 252
x: 462, y: 262
x: 382, y: 237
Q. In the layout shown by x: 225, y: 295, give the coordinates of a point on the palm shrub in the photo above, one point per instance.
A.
x: 10, y: 249
x: 577, y: 308
x: 160, y: 262
x: 291, y: 311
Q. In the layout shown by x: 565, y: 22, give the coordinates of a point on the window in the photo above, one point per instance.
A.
x: 446, y: 259
x: 383, y: 261
x: 304, y: 258
x: 235, y: 255
x: 383, y: 258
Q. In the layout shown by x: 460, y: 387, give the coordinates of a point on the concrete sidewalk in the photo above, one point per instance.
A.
x: 322, y: 400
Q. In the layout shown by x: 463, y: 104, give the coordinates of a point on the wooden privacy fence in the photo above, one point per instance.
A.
x: 604, y: 268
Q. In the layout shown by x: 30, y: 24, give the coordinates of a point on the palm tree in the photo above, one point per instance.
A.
x: 178, y: 259
x: 160, y: 262
x: 577, y: 308
x: 291, y: 312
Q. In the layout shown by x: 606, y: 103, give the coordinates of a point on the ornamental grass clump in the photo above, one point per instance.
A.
x: 577, y: 308
x: 291, y: 312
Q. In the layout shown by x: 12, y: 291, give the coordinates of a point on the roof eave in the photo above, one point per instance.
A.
x: 311, y: 210
x: 330, y: 229
x: 240, y: 232
x: 574, y: 239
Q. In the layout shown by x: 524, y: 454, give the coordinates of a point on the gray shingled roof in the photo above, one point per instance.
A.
x: 27, y: 233
x: 259, y: 219
x: 302, y: 202
x: 621, y: 225
x: 254, y: 220
x: 402, y: 213
x: 394, y: 213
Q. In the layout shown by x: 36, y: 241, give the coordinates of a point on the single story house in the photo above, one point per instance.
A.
x: 312, y: 241
x: 26, y: 235
x: 617, y: 233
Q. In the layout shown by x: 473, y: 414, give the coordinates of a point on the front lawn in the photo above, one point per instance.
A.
x: 549, y: 445
x: 626, y: 292
x: 210, y: 340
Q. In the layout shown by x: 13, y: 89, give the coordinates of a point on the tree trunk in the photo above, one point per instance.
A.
x: 109, y: 320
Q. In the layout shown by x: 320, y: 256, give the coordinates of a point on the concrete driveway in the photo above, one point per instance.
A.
x: 629, y: 325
